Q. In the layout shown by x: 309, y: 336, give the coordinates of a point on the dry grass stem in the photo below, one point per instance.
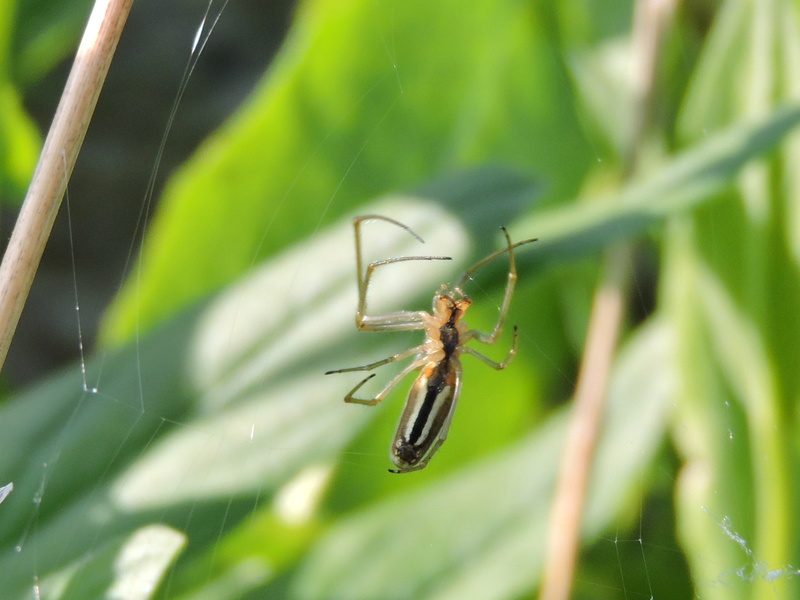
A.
x: 57, y: 159
x: 650, y: 24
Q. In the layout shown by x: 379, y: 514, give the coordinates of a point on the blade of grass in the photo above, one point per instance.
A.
x: 691, y: 177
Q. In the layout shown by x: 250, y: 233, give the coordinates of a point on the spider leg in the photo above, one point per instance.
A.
x: 468, y: 273
x: 378, y: 363
x: 491, y: 338
x: 403, y: 320
x: 495, y: 365
x: 387, y: 388
x: 397, y: 321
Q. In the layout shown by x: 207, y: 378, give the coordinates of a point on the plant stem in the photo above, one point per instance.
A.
x: 57, y: 159
x: 565, y: 519
x: 650, y: 21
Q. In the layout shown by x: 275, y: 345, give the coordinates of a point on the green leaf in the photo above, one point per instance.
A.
x: 682, y: 183
x: 478, y: 533
x: 253, y: 361
x: 734, y: 503
x: 128, y: 569
x: 19, y: 139
x: 238, y: 381
x: 19, y: 146
x: 45, y: 33
x: 206, y: 419
x: 738, y: 256
x: 356, y: 106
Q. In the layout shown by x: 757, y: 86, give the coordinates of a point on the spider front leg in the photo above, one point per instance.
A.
x: 511, y: 280
x: 398, y: 321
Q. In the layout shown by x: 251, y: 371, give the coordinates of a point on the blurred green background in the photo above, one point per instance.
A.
x: 200, y: 452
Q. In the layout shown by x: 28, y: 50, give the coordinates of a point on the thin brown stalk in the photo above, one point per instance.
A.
x: 565, y: 519
x: 605, y: 322
x: 57, y: 159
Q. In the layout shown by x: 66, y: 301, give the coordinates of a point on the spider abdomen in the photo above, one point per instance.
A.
x: 428, y: 407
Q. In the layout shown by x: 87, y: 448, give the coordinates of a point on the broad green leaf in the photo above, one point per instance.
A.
x: 745, y: 69
x: 790, y: 54
x: 736, y: 330
x: 237, y: 381
x: 479, y: 532
x: 19, y: 140
x: 364, y: 98
x: 691, y: 177
x: 733, y: 498
x: 715, y: 95
x: 125, y: 569
x: 19, y: 145
x: 45, y: 33
x: 745, y: 365
x: 223, y: 405
x: 708, y: 430
x: 256, y: 370
x: 211, y: 422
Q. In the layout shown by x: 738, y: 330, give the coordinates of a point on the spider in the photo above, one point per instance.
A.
x: 432, y: 400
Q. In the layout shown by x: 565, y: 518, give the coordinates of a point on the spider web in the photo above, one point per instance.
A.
x: 193, y: 489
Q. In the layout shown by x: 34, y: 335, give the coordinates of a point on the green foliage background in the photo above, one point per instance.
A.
x: 215, y: 461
